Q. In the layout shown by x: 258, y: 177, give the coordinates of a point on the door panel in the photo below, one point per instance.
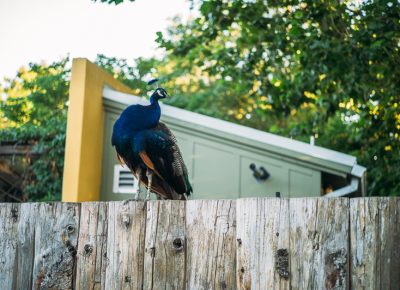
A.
x: 304, y: 182
x: 215, y: 171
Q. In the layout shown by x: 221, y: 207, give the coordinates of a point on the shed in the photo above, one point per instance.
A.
x: 224, y: 160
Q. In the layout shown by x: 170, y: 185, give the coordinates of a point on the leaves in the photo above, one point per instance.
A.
x: 296, y: 68
x: 35, y: 113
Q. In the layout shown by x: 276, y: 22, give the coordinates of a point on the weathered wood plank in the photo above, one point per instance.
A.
x: 389, y: 238
x: 375, y: 250
x: 17, y: 150
x: 262, y: 243
x: 55, y: 243
x: 92, y: 246
x: 9, y: 218
x: 364, y: 223
x: 164, y: 262
x: 210, y: 247
x: 125, y: 245
x: 281, y: 244
x: 319, y: 236
x: 26, y: 244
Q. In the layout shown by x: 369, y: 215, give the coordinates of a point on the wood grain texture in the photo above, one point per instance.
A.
x: 262, y: 243
x: 164, y: 262
x: 375, y: 250
x: 92, y: 246
x: 56, y: 238
x: 125, y: 245
x: 211, y: 249
x: 29, y: 215
x: 319, y: 236
x: 9, y: 218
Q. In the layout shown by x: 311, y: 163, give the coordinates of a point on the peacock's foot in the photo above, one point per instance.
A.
x: 137, y: 196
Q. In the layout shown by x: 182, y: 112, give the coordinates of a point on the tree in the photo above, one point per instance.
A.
x: 35, y: 113
x: 294, y: 68
x: 297, y: 68
x: 131, y: 76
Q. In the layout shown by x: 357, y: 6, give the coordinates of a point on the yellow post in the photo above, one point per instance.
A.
x: 84, y: 141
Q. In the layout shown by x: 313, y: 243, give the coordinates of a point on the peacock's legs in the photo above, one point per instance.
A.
x: 138, y: 177
x: 149, y: 175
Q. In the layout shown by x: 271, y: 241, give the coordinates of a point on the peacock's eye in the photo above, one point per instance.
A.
x: 159, y: 93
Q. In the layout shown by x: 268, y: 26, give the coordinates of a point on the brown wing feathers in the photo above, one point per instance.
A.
x: 166, y: 163
x: 146, y: 159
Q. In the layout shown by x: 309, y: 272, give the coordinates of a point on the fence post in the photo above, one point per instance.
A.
x: 375, y: 236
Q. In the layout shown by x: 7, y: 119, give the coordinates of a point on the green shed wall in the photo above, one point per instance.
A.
x: 218, y: 167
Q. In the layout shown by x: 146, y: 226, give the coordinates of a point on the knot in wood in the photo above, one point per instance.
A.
x: 335, y: 268
x: 46, y: 253
x: 152, y: 252
x: 126, y: 220
x: 282, y: 263
x: 71, y: 249
x: 14, y: 214
x: 177, y: 244
x: 87, y: 249
x: 70, y: 229
x: 239, y: 241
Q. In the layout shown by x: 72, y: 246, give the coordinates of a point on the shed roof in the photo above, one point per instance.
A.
x: 275, y: 144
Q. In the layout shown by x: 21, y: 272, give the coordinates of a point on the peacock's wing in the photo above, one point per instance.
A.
x: 160, y: 152
x: 178, y: 164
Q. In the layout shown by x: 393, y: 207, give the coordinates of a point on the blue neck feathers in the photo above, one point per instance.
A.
x: 136, y: 118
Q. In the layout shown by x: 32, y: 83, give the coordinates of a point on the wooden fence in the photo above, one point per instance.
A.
x: 260, y: 243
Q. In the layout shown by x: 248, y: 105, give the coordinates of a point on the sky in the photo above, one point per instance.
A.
x: 47, y: 30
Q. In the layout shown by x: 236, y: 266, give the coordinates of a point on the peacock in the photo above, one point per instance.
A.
x: 150, y: 150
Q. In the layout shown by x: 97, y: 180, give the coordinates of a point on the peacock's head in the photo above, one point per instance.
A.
x: 158, y: 94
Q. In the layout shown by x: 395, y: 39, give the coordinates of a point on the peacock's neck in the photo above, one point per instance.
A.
x: 153, y: 100
x: 155, y: 111
x: 136, y: 118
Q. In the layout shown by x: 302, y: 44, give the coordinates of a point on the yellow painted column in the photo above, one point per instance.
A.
x: 85, y: 126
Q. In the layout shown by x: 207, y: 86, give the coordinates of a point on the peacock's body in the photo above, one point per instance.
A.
x: 150, y: 150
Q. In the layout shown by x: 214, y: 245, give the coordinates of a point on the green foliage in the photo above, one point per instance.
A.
x: 130, y: 75
x: 294, y: 68
x: 35, y: 113
x: 297, y: 68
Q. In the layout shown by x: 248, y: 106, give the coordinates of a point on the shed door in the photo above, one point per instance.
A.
x: 215, y: 171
